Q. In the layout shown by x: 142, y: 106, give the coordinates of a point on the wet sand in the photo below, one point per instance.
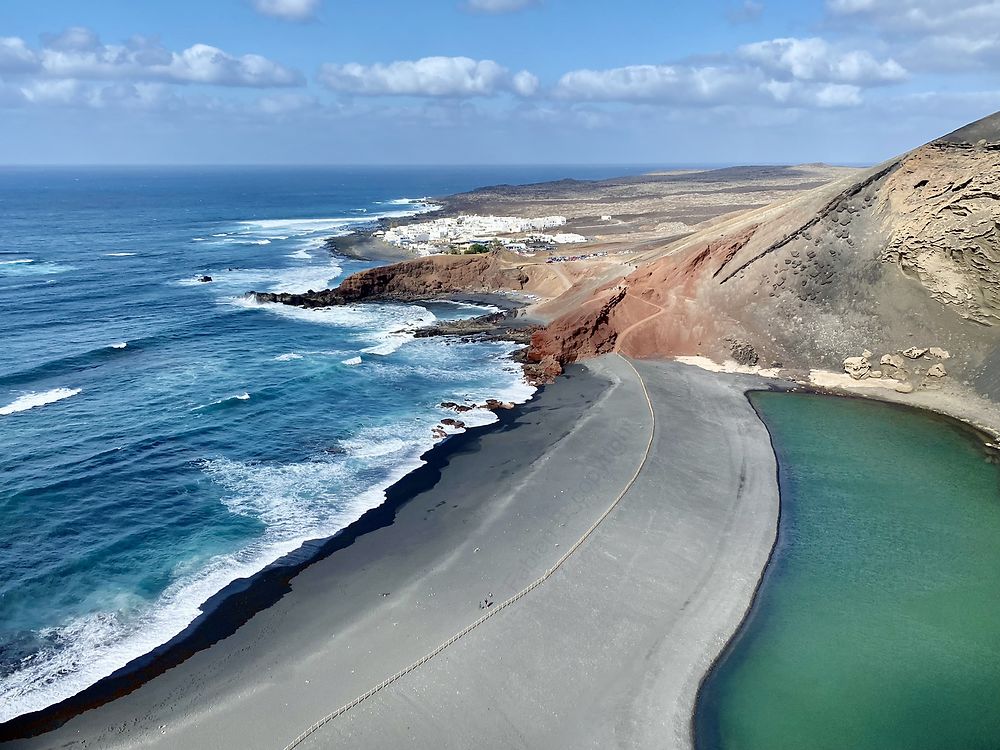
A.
x: 609, y: 650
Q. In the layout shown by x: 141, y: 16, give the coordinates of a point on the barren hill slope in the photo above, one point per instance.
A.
x: 906, y: 254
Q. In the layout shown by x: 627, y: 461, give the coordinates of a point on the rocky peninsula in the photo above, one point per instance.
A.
x: 835, y: 266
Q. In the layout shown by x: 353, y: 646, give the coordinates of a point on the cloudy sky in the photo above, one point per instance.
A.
x: 489, y: 81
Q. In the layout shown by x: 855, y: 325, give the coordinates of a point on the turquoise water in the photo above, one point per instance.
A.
x: 877, y: 624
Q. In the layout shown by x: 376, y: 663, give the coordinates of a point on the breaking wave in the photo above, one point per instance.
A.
x: 34, y: 400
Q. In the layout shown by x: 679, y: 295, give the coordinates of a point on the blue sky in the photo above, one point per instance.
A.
x: 489, y: 81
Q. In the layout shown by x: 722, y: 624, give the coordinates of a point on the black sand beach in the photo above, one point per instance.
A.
x: 609, y: 650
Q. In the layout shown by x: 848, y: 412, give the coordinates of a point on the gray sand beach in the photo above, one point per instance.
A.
x: 607, y: 652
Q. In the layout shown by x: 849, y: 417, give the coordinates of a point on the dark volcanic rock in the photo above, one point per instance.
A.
x: 457, y: 407
x: 498, y: 326
x: 745, y: 354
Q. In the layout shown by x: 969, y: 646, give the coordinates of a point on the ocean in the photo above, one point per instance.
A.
x: 162, y: 437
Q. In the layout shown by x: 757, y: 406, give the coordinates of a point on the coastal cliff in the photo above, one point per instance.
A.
x: 900, y: 257
x: 412, y: 280
x: 905, y: 255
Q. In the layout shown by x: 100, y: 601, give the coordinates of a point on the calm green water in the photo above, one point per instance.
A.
x: 878, y: 621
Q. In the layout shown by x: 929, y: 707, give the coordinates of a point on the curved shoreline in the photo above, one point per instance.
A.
x: 228, y: 609
x: 696, y: 733
x: 978, y: 433
x: 513, y: 599
x: 619, y: 638
x: 237, y: 605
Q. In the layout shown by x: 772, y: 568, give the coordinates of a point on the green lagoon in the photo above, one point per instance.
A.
x: 877, y: 624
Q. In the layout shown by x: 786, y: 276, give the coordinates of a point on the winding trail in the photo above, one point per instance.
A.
x: 624, y: 334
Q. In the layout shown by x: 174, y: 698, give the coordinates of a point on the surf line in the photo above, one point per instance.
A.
x: 503, y: 605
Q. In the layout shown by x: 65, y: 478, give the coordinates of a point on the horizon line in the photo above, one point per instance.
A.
x: 427, y: 165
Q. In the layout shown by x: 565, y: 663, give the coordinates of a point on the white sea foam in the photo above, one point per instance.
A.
x: 397, y: 335
x: 119, y: 255
x: 295, y: 280
x: 237, y: 397
x: 301, y: 254
x: 413, y: 207
x: 34, y: 400
x: 285, y: 228
x: 120, y: 345
x: 386, y: 347
x: 302, y: 279
x: 352, y: 362
x: 390, y: 325
x: 31, y: 267
x: 87, y: 649
x: 296, y: 502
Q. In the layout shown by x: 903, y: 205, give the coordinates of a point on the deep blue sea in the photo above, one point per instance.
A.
x: 161, y: 437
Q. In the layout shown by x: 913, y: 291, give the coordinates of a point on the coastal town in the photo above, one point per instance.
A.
x: 473, y: 233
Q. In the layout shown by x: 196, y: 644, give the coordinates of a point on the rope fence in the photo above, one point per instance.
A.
x: 503, y: 605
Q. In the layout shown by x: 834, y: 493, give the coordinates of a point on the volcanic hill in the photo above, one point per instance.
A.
x: 895, y: 268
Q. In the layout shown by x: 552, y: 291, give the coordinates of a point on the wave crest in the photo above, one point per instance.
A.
x: 34, y: 400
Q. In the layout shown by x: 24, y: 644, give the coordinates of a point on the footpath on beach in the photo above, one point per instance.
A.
x: 620, y: 524
x: 491, y: 609
x: 700, y: 655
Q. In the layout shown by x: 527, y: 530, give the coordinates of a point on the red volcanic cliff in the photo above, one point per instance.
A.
x: 903, y: 255
x: 652, y: 311
x: 422, y: 278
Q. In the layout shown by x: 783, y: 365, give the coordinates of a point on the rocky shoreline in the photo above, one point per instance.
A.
x: 484, y: 278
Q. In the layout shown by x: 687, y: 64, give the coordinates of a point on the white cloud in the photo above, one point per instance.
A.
x: 15, y: 56
x: 73, y: 39
x: 499, y: 6
x: 824, y: 96
x: 701, y: 87
x: 459, y: 77
x: 816, y: 60
x: 205, y: 64
x: 84, y: 94
x: 921, y: 15
x: 525, y: 83
x: 78, y: 53
x: 288, y: 10
x: 652, y: 83
x: 54, y: 92
x: 964, y: 34
x: 782, y: 72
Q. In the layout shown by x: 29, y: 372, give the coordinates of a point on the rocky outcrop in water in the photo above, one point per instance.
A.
x: 503, y: 326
